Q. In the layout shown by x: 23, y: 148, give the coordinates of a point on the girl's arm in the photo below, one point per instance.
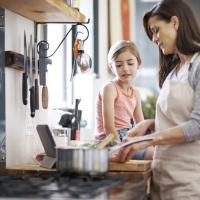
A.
x: 108, y: 98
x: 142, y: 125
x: 138, y: 114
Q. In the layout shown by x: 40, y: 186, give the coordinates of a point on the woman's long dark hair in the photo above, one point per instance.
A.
x: 188, y: 35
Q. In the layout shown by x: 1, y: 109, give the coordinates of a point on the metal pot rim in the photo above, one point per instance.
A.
x: 81, y: 148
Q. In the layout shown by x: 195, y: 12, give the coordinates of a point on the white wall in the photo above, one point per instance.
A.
x: 87, y: 85
x: 104, y: 74
x: 21, y: 138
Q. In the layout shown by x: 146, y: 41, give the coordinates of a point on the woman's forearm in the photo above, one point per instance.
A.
x: 172, y: 135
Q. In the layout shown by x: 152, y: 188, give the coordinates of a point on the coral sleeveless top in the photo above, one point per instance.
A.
x: 124, y: 107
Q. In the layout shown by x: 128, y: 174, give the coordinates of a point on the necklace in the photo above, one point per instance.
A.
x: 128, y: 91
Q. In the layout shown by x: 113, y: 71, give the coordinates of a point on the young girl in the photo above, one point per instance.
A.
x: 119, y: 103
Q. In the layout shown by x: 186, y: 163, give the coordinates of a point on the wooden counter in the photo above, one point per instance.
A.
x: 33, y: 168
x: 26, y: 168
x: 134, y: 167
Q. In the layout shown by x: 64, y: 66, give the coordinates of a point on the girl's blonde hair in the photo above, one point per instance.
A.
x: 120, y: 47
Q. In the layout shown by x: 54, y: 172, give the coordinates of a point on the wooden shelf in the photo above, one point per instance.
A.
x: 44, y: 10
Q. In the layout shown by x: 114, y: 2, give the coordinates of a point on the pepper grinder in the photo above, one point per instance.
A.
x: 75, y: 132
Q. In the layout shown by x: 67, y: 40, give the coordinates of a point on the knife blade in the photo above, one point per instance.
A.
x: 36, y: 79
x: 31, y: 79
x: 25, y: 74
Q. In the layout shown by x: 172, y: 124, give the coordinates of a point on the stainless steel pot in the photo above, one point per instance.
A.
x: 83, y: 160
x: 86, y: 160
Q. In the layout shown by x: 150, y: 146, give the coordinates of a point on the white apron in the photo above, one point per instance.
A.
x: 176, y: 168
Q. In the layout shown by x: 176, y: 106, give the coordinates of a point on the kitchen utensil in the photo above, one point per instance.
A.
x: 45, y: 97
x: 85, y: 160
x: 66, y: 120
x: 31, y: 79
x: 36, y: 78
x: 43, y: 62
x: 62, y: 135
x: 3, y: 122
x: 25, y: 74
x: 75, y: 134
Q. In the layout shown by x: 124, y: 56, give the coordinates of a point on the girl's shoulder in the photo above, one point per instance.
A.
x: 136, y: 92
x: 109, y: 84
x: 109, y: 88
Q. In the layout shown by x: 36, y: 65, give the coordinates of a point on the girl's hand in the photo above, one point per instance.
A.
x: 140, y: 129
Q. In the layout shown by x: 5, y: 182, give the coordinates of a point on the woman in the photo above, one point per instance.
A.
x: 171, y: 25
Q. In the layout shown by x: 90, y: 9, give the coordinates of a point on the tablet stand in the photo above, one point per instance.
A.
x: 48, y: 162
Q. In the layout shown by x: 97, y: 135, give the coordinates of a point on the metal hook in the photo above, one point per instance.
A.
x: 44, y: 44
x: 47, y: 47
x: 86, y: 30
x: 76, y: 35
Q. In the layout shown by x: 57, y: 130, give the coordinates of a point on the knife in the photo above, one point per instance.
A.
x: 43, y: 62
x: 31, y: 79
x: 36, y: 79
x: 25, y: 74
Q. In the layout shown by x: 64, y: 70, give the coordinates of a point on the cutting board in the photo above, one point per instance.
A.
x: 132, y: 165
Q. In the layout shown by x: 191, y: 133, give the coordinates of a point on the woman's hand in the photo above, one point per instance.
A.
x: 114, y: 158
x: 127, y: 153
